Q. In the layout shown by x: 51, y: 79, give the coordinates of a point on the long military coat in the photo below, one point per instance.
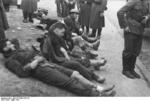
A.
x: 98, y: 6
x: 85, y: 11
x: 29, y: 5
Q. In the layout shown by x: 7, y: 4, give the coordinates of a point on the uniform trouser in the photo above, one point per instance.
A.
x: 80, y: 68
x: 2, y: 38
x: 57, y: 78
x: 132, y: 48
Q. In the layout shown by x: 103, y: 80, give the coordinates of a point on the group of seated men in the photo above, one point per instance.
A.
x: 65, y: 59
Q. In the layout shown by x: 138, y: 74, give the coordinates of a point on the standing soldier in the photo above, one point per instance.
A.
x: 132, y: 18
x: 97, y: 20
x: 84, y: 16
x: 3, y: 25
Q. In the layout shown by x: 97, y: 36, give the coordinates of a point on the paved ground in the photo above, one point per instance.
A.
x: 111, y: 48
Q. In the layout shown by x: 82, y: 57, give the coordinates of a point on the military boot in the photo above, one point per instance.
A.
x: 126, y: 67
x: 133, y: 67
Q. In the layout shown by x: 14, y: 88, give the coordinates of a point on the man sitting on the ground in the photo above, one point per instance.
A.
x: 55, y: 42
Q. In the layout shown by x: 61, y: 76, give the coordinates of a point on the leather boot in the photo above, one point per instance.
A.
x: 133, y: 67
x: 126, y: 67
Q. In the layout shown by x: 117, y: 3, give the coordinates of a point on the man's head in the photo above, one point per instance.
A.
x: 58, y: 28
x: 74, y: 13
x: 13, y: 45
x: 10, y: 46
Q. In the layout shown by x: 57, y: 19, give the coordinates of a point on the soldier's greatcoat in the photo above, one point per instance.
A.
x: 29, y: 5
x: 85, y: 11
x: 98, y: 6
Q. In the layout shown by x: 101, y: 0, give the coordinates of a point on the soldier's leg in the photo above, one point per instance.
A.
x: 127, y: 54
x: 137, y: 49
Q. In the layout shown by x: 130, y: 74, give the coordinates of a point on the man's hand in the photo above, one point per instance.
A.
x: 68, y: 58
x: 127, y: 29
x: 101, y: 14
x: 65, y: 53
x: 34, y: 64
x: 144, y: 21
x: 39, y: 58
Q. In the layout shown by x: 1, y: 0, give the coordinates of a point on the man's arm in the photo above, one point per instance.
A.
x: 32, y: 65
x: 63, y: 50
x: 17, y: 68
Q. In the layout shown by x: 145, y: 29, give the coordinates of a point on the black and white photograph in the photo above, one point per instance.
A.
x: 74, y: 48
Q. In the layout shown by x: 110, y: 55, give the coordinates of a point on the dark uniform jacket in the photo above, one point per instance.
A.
x: 132, y: 14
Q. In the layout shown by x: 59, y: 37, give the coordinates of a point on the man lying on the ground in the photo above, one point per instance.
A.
x: 54, y: 50
x: 28, y: 62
